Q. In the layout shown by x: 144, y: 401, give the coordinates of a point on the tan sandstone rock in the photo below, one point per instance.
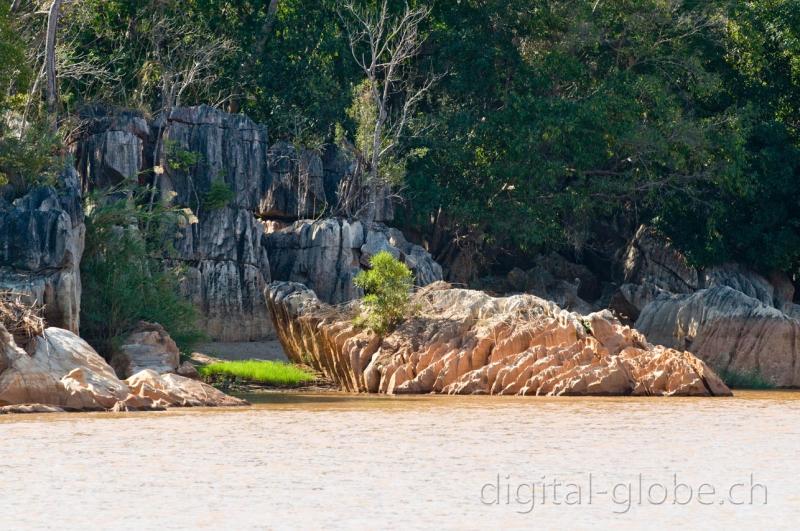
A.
x: 467, y: 342
x: 148, y: 346
x: 65, y: 372
x: 178, y: 391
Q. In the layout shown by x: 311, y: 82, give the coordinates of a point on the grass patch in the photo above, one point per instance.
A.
x: 745, y: 380
x: 268, y: 372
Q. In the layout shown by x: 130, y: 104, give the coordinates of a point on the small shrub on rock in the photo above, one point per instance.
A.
x: 387, y: 285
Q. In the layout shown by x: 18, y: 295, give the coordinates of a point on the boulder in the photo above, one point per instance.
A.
x: 326, y: 255
x: 188, y: 370
x: 467, y: 342
x: 178, y: 391
x: 729, y: 330
x: 652, y: 259
x: 64, y: 372
x: 741, y: 279
x: 41, y: 244
x: 651, y: 265
x: 148, y: 346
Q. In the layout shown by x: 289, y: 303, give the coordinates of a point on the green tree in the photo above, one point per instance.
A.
x: 126, y: 272
x: 387, y: 285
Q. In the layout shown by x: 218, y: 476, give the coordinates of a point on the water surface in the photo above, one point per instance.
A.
x: 345, y: 461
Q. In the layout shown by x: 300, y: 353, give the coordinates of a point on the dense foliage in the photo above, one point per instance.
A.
x: 555, y: 119
x: 387, y: 287
x: 123, y: 274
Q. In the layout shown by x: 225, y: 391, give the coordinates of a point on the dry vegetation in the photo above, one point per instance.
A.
x: 23, y: 320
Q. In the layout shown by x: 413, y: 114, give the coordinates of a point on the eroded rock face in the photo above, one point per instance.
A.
x: 178, y: 391
x: 113, y: 147
x: 148, y: 346
x: 326, y: 255
x: 466, y: 342
x: 226, y: 263
x: 41, y: 244
x: 224, y: 253
x: 729, y: 330
x: 65, y: 372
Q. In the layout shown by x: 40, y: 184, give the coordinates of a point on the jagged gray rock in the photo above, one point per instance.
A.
x: 41, y: 244
x: 326, y: 255
x: 225, y: 252
x: 113, y: 147
x: 729, y: 330
x: 226, y: 263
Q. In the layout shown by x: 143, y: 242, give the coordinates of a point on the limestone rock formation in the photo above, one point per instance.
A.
x: 41, y: 244
x: 326, y: 255
x: 467, y: 342
x: 148, y: 346
x: 224, y: 253
x: 113, y: 147
x: 63, y: 371
x: 651, y: 265
x: 730, y: 330
x: 226, y: 264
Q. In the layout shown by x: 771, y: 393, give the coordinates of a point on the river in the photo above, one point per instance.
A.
x: 344, y: 461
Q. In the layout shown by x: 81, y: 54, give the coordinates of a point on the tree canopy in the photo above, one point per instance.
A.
x: 549, y: 122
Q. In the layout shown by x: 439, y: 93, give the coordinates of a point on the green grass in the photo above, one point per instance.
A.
x: 268, y: 372
x: 745, y: 380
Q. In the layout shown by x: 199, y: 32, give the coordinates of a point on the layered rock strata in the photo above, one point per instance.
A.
x: 467, y: 342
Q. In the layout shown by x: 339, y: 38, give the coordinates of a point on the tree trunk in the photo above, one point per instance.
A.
x: 50, y: 63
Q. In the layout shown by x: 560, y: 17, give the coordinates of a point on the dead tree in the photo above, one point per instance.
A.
x: 50, y: 62
x: 383, y: 45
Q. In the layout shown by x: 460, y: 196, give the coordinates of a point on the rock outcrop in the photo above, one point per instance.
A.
x: 734, y: 319
x: 226, y: 264
x: 466, y: 342
x: 113, y: 147
x: 326, y: 255
x: 63, y: 371
x: 178, y: 391
x: 225, y: 254
x: 41, y: 244
x: 148, y: 346
x: 730, y: 330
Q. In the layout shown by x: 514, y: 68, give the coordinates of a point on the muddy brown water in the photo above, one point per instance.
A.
x: 334, y: 460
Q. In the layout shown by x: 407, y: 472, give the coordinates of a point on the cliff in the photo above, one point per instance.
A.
x: 265, y: 231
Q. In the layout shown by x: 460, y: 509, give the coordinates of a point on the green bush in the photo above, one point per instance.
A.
x: 269, y: 372
x: 745, y: 380
x: 218, y: 196
x: 126, y: 274
x: 386, y: 286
